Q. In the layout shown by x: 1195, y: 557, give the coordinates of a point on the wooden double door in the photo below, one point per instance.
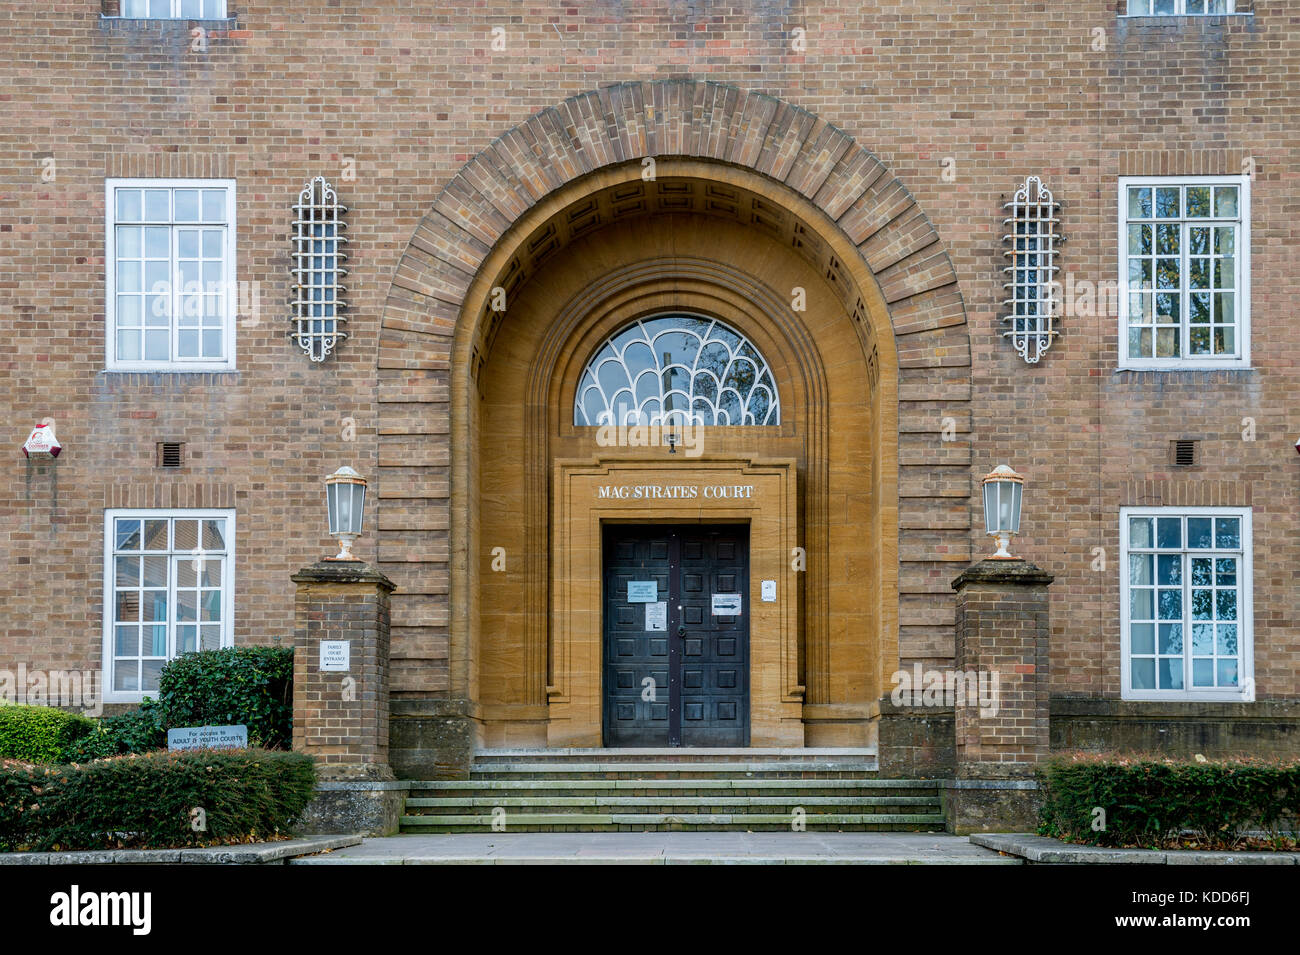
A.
x: 676, y: 635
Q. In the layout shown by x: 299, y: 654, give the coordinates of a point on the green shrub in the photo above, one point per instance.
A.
x: 39, y: 734
x: 136, y: 731
x: 153, y: 801
x: 252, y: 686
x: 1156, y: 802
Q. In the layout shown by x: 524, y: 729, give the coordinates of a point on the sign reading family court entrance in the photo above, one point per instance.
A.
x: 680, y: 492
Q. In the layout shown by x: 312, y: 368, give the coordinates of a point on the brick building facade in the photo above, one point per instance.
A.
x: 865, y: 154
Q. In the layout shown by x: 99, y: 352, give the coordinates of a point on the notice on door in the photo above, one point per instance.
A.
x: 642, y: 591
x: 656, y: 615
x: 726, y: 605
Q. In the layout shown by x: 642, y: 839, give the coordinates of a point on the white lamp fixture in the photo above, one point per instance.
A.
x: 345, y: 495
x: 1002, y: 492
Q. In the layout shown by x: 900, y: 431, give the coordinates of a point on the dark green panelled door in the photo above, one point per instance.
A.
x: 676, y: 626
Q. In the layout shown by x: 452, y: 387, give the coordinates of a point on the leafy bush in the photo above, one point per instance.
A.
x: 136, y: 731
x: 153, y: 801
x: 1157, y: 802
x: 39, y: 734
x: 252, y: 686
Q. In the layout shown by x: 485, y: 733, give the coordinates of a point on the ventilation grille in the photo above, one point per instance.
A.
x: 171, y: 454
x: 1185, y: 453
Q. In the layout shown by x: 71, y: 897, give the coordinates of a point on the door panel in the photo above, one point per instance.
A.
x: 687, y: 685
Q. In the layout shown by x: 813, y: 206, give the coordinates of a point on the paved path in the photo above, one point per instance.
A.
x: 664, y: 848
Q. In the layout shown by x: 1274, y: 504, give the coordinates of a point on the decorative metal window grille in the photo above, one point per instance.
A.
x: 319, y: 296
x: 677, y: 370
x: 1033, y: 237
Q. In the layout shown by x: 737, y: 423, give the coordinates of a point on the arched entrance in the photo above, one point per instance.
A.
x: 630, y: 202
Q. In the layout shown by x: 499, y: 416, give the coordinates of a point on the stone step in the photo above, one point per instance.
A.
x: 728, y: 782
x: 679, y: 754
x: 664, y: 769
x: 672, y: 803
x: 652, y: 822
x: 674, y: 788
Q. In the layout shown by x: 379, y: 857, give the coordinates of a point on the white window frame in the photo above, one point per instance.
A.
x: 176, y: 14
x: 108, y: 693
x: 1244, y: 691
x: 1180, y: 10
x: 111, y: 362
x: 1187, y: 362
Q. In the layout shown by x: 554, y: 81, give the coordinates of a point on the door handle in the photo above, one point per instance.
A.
x: 681, y: 631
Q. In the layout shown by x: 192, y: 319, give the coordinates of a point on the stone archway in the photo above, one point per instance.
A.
x: 488, y: 229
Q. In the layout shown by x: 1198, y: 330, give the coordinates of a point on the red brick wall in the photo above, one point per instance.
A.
x: 294, y: 91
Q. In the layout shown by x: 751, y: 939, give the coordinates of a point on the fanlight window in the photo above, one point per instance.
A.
x: 677, y: 370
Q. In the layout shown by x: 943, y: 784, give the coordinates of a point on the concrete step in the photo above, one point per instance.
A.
x: 663, y: 769
x: 656, y: 822
x: 671, y: 789
x: 671, y: 804
x: 678, y: 754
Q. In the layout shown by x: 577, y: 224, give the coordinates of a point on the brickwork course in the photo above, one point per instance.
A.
x: 957, y: 102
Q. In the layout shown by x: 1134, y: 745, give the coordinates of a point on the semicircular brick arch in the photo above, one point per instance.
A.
x: 433, y: 296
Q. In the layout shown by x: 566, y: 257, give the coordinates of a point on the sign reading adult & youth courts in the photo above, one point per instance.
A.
x: 208, y: 737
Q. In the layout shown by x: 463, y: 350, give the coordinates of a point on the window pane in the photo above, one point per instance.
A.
x: 1168, y: 202
x: 128, y: 571
x: 1225, y: 605
x: 1227, y: 646
x: 126, y: 642
x: 1225, y: 202
x: 1171, y: 605
x: 214, y: 205
x: 1228, y: 532
x: 126, y: 676
x: 128, y: 346
x: 158, y: 242
x: 214, y: 535
x: 1139, y: 532
x: 1171, y: 569
x: 127, y: 606
x: 1143, y: 638
x: 1139, y: 569
x: 1202, y: 673
x: 155, y: 571
x: 1171, y: 673
x: 1227, y: 672
x: 1139, y: 202
x: 1202, y: 639
x: 154, y: 606
x: 128, y: 534
x: 1198, y: 532
x: 1144, y: 674
x: 1169, y: 532
x: 155, y: 535
x: 157, y: 205
x: 1171, y: 638
x: 187, y: 535
x: 1141, y: 604
x: 187, y: 205
x: 151, y: 671
x: 1198, y: 201
x: 130, y: 205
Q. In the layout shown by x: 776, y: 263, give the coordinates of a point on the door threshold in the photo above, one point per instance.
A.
x: 595, y: 751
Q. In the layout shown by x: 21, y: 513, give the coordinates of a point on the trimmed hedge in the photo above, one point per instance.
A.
x: 150, y: 801
x: 1157, y: 802
x: 135, y: 731
x: 39, y: 734
x: 252, y: 686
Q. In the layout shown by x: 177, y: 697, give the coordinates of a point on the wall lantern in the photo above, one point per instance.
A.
x: 42, y: 443
x: 345, y: 495
x: 1002, y: 491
